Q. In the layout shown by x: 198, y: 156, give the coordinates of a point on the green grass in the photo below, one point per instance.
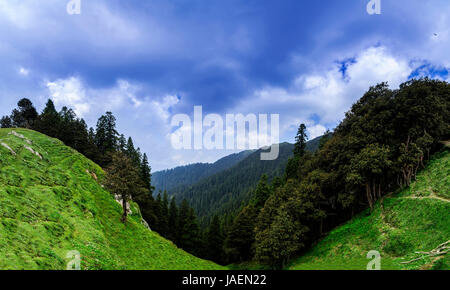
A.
x: 415, y: 219
x: 52, y: 206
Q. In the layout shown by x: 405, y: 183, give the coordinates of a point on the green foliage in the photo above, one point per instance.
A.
x: 214, y: 241
x: 55, y: 205
x: 123, y: 180
x: 276, y: 244
x: 300, y: 141
x: 399, y: 226
x: 240, y: 239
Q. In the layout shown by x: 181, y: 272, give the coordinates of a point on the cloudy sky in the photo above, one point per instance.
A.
x: 147, y: 60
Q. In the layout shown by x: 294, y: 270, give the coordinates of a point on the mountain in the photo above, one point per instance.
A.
x: 414, y: 219
x: 52, y: 202
x: 225, y: 191
x: 192, y: 173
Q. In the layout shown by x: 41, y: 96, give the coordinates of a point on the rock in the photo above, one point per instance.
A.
x: 20, y: 136
x: 9, y: 148
x: 32, y: 151
x: 146, y: 224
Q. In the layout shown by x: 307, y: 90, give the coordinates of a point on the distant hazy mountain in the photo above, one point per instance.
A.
x: 190, y: 174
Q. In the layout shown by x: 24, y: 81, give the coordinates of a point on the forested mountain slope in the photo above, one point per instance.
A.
x: 192, y: 173
x: 52, y: 202
x: 414, y: 219
x: 225, y: 191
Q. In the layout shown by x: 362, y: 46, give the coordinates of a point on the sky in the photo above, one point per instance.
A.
x: 146, y: 61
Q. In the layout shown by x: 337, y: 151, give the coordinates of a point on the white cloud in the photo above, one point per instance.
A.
x: 23, y: 71
x: 316, y: 131
x: 320, y: 99
x: 71, y: 93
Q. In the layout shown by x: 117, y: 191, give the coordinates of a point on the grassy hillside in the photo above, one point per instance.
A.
x: 415, y: 219
x: 53, y: 205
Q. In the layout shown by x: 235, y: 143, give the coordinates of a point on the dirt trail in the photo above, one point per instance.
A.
x: 431, y: 196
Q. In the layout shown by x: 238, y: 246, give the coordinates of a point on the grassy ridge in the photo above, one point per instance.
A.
x: 415, y: 219
x: 56, y: 204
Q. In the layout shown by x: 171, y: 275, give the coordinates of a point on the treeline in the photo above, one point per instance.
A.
x: 386, y: 137
x: 128, y: 173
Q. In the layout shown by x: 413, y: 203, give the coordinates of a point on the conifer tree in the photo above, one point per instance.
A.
x: 106, y: 133
x: 262, y: 192
x: 122, y: 180
x: 49, y: 122
x: 146, y: 172
x: 26, y: 115
x: 173, y: 221
x: 300, y: 141
x: 6, y: 122
x: 240, y: 239
x: 214, y: 241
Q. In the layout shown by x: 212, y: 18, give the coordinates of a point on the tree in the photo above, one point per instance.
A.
x: 146, y: 172
x: 300, y: 141
x: 49, y: 122
x: 25, y: 116
x: 325, y: 138
x: 368, y: 169
x: 275, y: 245
x: 189, y: 232
x: 122, y: 143
x: 240, y: 239
x: 262, y: 192
x: 6, y: 122
x: 106, y: 134
x: 122, y: 179
x: 214, y: 241
x: 173, y: 221
x: 164, y: 213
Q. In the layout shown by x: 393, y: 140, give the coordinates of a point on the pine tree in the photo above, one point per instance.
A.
x: 214, y: 241
x: 26, y: 115
x: 300, y: 141
x: 49, y: 122
x: 190, y: 233
x: 106, y: 133
x: 173, y: 221
x: 165, y: 214
x: 240, y: 239
x: 122, y: 143
x: 262, y: 192
x: 122, y: 180
x: 6, y: 122
x: 146, y: 172
x: 183, y: 216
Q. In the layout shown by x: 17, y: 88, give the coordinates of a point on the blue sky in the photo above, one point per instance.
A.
x: 147, y: 60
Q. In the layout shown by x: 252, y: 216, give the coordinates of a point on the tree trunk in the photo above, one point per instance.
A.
x: 124, y: 206
x: 369, y: 198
